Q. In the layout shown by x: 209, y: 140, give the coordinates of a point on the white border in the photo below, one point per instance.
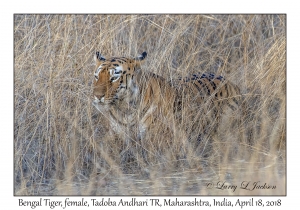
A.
x: 150, y: 6
x: 143, y: 6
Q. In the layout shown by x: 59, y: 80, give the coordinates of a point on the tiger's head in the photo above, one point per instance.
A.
x: 114, y: 77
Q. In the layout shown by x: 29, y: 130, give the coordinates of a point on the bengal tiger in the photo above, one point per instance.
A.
x: 133, y: 99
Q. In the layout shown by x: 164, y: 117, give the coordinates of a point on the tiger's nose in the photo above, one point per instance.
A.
x: 99, y: 98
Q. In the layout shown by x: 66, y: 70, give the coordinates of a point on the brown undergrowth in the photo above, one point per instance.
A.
x: 62, y: 145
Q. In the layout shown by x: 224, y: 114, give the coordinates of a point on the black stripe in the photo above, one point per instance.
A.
x: 235, y: 100
x: 208, y: 90
x: 231, y: 106
x: 226, y: 89
x: 214, y: 85
x: 199, y: 89
x: 145, y: 109
x: 126, y: 80
x: 122, y: 59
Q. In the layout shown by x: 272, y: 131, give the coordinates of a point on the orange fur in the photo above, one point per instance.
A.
x: 133, y: 99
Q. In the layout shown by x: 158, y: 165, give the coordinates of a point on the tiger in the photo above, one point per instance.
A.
x: 133, y: 99
x: 203, y: 99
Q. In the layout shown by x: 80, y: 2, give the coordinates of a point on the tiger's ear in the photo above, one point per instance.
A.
x: 99, y: 58
x: 141, y: 56
x: 139, y: 59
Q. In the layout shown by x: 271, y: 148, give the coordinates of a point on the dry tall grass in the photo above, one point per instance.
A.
x: 61, y: 142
